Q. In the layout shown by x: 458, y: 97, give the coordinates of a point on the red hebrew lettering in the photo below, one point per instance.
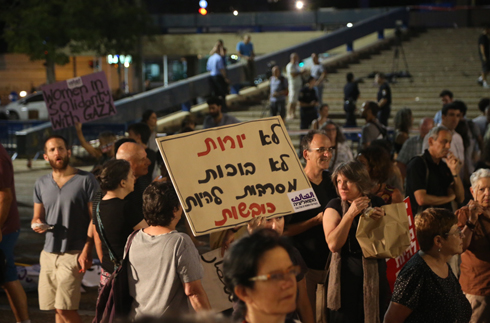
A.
x: 207, y: 141
x: 228, y: 138
x: 239, y: 138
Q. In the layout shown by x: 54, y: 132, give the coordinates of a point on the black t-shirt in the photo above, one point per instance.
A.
x: 351, y: 91
x: 430, y: 297
x: 352, y: 273
x: 118, y: 224
x: 438, y: 182
x: 384, y: 92
x: 351, y: 252
x: 483, y: 40
x: 311, y: 243
x: 307, y: 95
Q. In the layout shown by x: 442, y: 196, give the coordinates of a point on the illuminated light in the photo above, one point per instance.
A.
x: 300, y: 5
x: 203, y: 4
x: 126, y: 64
x: 234, y: 56
x: 349, y: 25
x: 203, y: 11
x: 301, y: 64
x: 235, y: 13
x: 22, y: 94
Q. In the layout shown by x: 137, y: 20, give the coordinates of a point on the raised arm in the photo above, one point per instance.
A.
x: 88, y: 147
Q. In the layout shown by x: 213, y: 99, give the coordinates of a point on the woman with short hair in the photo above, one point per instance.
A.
x: 426, y: 289
x: 474, y: 221
x: 357, y: 287
x: 261, y: 276
x: 165, y: 271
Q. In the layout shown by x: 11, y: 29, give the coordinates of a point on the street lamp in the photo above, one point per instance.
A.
x: 235, y: 12
x: 300, y: 4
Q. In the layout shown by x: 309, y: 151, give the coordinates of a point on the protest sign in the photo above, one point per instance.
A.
x: 81, y: 99
x: 213, y: 281
x: 394, y: 265
x: 226, y: 176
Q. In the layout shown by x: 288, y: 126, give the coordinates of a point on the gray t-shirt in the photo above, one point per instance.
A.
x: 225, y: 120
x: 370, y: 132
x: 67, y: 209
x: 158, y: 268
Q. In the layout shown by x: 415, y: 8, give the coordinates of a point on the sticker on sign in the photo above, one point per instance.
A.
x: 303, y: 200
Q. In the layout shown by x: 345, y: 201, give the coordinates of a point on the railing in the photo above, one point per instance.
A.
x: 30, y: 141
x: 264, y: 20
x: 164, y: 98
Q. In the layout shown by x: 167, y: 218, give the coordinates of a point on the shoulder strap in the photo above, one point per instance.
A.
x: 102, y: 235
x: 130, y: 241
x: 381, y: 130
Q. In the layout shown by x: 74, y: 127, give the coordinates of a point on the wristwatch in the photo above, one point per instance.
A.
x: 470, y: 225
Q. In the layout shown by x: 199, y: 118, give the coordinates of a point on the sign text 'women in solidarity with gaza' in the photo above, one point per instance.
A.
x: 80, y: 99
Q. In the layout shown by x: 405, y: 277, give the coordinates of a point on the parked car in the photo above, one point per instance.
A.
x: 32, y: 107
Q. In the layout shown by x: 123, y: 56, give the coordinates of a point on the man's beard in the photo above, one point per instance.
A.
x: 61, y: 166
x: 214, y: 114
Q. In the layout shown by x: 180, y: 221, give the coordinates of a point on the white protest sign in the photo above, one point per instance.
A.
x: 228, y: 175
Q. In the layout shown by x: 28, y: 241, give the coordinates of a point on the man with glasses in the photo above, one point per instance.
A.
x: 305, y: 228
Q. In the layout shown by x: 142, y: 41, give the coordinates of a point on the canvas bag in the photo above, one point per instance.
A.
x: 114, y: 301
x: 388, y: 237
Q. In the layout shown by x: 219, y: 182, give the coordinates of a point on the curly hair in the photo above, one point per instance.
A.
x: 433, y: 222
x: 159, y: 203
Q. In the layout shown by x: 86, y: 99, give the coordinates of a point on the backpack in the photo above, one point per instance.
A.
x: 114, y: 301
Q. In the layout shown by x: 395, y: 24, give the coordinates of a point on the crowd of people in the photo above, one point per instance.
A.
x: 274, y: 271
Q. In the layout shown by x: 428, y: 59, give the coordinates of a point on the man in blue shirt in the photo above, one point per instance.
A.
x: 217, y: 69
x: 246, y: 53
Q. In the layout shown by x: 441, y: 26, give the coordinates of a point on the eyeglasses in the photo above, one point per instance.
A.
x: 323, y: 150
x: 278, y: 275
x: 457, y: 232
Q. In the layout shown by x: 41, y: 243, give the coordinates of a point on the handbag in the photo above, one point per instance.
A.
x: 387, y: 237
x: 114, y: 301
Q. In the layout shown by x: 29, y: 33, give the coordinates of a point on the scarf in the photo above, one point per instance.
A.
x: 370, y: 284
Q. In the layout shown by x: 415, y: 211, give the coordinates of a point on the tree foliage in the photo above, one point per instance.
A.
x: 44, y: 29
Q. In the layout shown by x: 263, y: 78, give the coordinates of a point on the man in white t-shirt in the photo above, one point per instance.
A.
x: 295, y: 82
x: 319, y: 73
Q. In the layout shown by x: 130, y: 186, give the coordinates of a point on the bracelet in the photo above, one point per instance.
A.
x: 455, y: 175
x: 234, y: 230
x: 470, y: 225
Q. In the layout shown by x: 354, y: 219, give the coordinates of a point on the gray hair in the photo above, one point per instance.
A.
x: 479, y: 174
x: 434, y: 132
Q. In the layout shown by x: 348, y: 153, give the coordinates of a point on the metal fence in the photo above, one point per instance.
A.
x: 164, y: 98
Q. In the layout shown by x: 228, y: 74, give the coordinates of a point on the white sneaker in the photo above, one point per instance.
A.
x: 485, y: 85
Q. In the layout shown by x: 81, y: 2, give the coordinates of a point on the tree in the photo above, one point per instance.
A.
x: 48, y: 29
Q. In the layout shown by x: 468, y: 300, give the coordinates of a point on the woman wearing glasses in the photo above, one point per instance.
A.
x: 426, y: 289
x: 261, y: 276
x: 357, y: 287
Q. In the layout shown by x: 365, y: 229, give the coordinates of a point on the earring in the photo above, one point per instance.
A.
x: 439, y: 250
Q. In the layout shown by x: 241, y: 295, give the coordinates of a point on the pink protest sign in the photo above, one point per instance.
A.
x: 394, y: 265
x: 81, y: 99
